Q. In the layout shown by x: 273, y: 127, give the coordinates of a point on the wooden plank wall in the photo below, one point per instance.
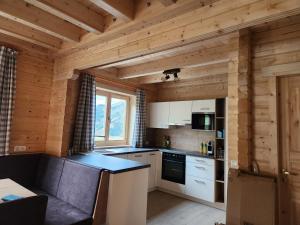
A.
x: 276, y: 51
x: 201, y: 88
x: 63, y: 107
x: 33, y: 86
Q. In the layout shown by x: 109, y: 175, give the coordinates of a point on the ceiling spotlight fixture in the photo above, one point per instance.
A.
x: 173, y: 72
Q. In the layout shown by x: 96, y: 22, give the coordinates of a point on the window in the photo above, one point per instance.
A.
x: 112, y: 119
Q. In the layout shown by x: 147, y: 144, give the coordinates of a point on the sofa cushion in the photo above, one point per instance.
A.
x: 61, y: 213
x: 79, y: 185
x: 49, y: 173
x: 20, y: 168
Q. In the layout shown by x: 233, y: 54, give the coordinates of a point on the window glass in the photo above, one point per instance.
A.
x: 100, y: 122
x: 117, y: 119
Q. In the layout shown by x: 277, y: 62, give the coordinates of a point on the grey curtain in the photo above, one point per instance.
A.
x: 140, y: 119
x: 7, y: 94
x: 84, y: 131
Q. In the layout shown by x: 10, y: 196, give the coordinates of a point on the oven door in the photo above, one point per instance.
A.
x: 173, y: 170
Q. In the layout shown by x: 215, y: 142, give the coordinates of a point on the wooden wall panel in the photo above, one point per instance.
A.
x: 55, y: 132
x: 276, y: 48
x: 201, y: 88
x: 33, y: 89
x: 239, y: 108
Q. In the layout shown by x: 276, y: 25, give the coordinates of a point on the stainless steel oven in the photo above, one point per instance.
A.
x: 173, y: 167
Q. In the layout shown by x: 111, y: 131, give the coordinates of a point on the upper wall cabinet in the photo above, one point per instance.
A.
x: 180, y: 113
x: 159, y: 114
x: 205, y: 106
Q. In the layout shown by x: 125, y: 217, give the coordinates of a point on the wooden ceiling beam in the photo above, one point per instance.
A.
x: 73, y: 12
x: 36, y: 18
x: 188, y: 48
x: 186, y: 74
x: 198, y: 58
x: 120, y: 9
x: 25, y: 33
x: 141, y: 21
x: 167, y: 2
x: 207, y: 22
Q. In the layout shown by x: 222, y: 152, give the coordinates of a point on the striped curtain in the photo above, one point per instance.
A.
x: 7, y: 94
x: 84, y: 131
x: 140, y: 119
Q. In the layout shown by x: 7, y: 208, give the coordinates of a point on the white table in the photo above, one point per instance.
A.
x: 9, y: 187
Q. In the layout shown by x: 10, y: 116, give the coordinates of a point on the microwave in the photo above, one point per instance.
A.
x: 203, y: 121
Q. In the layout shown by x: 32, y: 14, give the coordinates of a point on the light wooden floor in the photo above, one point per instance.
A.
x: 166, y: 209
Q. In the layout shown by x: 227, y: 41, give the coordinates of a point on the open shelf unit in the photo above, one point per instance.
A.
x: 220, y: 149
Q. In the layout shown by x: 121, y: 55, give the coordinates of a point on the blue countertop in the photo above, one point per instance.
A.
x: 102, y: 158
x: 112, y: 164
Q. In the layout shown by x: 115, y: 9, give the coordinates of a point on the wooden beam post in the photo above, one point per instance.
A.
x: 239, y: 103
x: 63, y: 103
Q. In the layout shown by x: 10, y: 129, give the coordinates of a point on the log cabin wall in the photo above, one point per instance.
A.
x: 276, y: 52
x: 33, y: 89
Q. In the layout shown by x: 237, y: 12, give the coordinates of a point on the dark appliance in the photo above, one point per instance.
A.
x: 173, y: 167
x: 203, y: 121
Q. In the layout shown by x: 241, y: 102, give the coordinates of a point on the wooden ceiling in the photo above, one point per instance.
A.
x: 135, y: 40
x: 59, y: 24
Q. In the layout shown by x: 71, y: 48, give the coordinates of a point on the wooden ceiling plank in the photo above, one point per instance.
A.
x: 188, y: 48
x: 186, y: 74
x: 167, y: 2
x: 198, y: 58
x: 73, y: 12
x: 14, y: 29
x: 36, y: 18
x: 120, y: 9
x: 140, y: 22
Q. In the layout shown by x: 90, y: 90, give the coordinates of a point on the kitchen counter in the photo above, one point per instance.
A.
x: 112, y: 164
x: 124, y: 150
x: 101, y: 158
x: 132, y: 150
x: 186, y: 152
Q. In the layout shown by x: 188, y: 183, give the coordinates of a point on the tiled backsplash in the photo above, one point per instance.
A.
x: 181, y: 137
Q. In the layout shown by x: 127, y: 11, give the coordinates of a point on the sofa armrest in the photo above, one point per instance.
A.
x: 29, y: 210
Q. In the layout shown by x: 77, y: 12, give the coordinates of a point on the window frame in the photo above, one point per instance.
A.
x: 106, y: 141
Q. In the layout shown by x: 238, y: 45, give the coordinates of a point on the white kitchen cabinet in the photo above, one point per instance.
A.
x: 122, y: 156
x: 204, y: 106
x: 200, y: 160
x: 152, y: 157
x: 180, y: 113
x: 200, y: 188
x: 159, y: 114
x: 200, y: 178
x: 148, y: 158
x: 140, y: 157
x: 201, y: 171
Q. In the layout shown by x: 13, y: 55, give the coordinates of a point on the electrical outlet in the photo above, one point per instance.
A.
x: 20, y: 148
x: 234, y: 164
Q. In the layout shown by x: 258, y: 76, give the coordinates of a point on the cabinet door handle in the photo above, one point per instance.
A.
x: 200, y: 167
x: 138, y: 156
x: 198, y: 160
x: 199, y: 181
x: 204, y: 108
x: 152, y: 154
